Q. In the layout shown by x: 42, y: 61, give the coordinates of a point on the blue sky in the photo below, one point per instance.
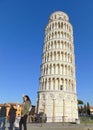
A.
x: 22, y: 24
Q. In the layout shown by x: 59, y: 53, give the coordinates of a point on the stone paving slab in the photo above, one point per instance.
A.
x: 57, y: 126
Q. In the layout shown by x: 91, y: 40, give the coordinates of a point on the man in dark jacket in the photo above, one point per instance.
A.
x: 12, y: 116
x: 2, y: 117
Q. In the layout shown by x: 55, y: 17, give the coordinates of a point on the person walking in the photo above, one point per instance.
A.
x: 2, y: 117
x: 25, y: 111
x: 12, y: 116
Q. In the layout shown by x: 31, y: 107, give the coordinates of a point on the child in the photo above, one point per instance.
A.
x: 16, y: 123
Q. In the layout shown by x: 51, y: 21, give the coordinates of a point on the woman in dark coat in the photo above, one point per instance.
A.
x: 12, y: 116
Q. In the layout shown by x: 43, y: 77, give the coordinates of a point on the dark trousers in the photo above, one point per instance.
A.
x: 11, y: 125
x: 2, y: 121
x: 23, y: 121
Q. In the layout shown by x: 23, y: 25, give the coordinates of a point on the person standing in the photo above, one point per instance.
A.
x: 25, y: 110
x: 2, y: 117
x: 12, y: 116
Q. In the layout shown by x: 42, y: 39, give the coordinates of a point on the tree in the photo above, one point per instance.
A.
x: 85, y: 109
x: 80, y: 102
x: 88, y: 109
x: 80, y: 110
x: 80, y: 107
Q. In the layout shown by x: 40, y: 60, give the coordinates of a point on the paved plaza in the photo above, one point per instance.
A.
x: 59, y: 126
x: 56, y: 126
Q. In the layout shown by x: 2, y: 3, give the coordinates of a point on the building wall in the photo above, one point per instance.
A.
x: 57, y: 95
x: 18, y: 108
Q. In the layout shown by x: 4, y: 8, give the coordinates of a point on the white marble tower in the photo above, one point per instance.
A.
x: 57, y: 95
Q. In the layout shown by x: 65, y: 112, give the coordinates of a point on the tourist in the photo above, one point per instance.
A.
x: 12, y: 116
x: 25, y: 111
x: 2, y: 117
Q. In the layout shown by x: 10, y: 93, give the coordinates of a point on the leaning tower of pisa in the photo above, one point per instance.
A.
x: 57, y: 95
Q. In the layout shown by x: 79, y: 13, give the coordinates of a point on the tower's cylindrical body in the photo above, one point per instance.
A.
x: 57, y: 91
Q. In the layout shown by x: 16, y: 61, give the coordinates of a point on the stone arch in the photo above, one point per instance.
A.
x: 66, y: 84
x: 51, y: 56
x: 62, y: 25
x: 50, y: 68
x: 52, y: 35
x: 58, y: 34
x: 54, y: 68
x: 65, y: 69
x: 55, y: 44
x: 51, y: 45
x: 53, y: 83
x: 58, y: 43
x: 49, y: 83
x: 55, y: 24
x: 73, y: 86
x: 58, y: 24
x: 57, y: 83
x: 61, y: 84
x: 42, y: 87
x: 52, y: 25
x: 45, y: 84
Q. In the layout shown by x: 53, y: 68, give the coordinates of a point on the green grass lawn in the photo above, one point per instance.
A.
x: 86, y: 120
